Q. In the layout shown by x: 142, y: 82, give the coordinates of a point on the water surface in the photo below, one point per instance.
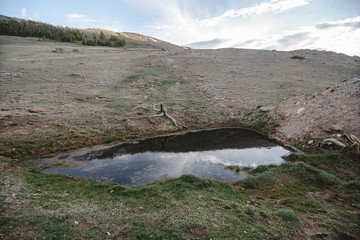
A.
x: 203, y: 154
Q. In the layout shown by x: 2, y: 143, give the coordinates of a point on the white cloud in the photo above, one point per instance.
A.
x: 174, y: 22
x: 80, y: 20
x: 340, y: 36
x: 273, y: 6
x: 25, y: 15
x: 259, y: 26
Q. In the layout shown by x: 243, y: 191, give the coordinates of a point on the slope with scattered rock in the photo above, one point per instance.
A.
x: 332, y: 112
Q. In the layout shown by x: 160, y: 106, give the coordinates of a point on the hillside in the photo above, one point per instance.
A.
x: 29, y: 28
x: 52, y: 102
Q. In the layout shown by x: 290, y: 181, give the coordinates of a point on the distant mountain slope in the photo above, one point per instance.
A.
x: 133, y: 36
x: 29, y: 28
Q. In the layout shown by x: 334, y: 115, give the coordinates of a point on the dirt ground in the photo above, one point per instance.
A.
x: 97, y: 89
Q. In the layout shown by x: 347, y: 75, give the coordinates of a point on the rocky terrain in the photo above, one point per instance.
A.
x: 332, y: 112
x: 94, y: 89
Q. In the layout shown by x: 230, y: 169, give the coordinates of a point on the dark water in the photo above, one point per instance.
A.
x: 203, y: 154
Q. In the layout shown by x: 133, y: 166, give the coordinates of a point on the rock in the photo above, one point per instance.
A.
x: 336, y: 128
x: 310, y: 142
x: 59, y: 50
x: 297, y: 57
x: 36, y: 110
x: 343, y: 107
x: 320, y: 235
x: 300, y: 111
x: 266, y: 109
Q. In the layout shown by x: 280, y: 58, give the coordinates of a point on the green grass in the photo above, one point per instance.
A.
x: 273, y: 202
x: 259, y: 119
x: 289, y: 218
x: 186, y: 207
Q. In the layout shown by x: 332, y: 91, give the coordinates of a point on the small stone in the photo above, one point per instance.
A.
x: 310, y: 142
x: 266, y: 109
x: 321, y: 235
x: 36, y: 110
x: 76, y: 222
x: 300, y: 111
x: 336, y: 128
x: 343, y: 107
x: 338, y: 135
x: 108, y: 233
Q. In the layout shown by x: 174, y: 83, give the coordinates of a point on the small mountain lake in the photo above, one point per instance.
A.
x: 204, y: 154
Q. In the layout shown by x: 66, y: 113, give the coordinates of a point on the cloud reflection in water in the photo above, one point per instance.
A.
x: 141, y: 168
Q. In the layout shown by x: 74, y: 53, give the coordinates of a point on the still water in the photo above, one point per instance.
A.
x: 203, y: 154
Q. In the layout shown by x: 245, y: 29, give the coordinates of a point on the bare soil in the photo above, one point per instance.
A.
x: 98, y: 89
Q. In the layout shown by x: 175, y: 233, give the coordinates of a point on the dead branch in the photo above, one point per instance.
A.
x: 163, y: 113
x: 352, y: 138
x: 332, y: 141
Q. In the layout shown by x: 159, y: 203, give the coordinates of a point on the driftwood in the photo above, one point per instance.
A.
x: 163, y: 113
x: 355, y: 146
x: 332, y: 141
x: 352, y: 138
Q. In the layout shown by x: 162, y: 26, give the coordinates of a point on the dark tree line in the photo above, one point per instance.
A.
x: 28, y: 28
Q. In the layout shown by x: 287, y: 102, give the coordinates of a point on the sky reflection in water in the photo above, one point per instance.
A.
x: 142, y: 168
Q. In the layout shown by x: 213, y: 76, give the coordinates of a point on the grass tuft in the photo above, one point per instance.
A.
x: 289, y: 218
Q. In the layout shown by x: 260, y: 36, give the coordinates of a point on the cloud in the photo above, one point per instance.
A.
x: 80, y: 20
x: 273, y: 6
x: 350, y: 22
x: 296, y: 37
x: 259, y: 26
x: 210, y: 44
x: 25, y: 15
x: 340, y: 36
x: 178, y: 23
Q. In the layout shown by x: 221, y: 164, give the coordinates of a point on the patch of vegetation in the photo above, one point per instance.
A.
x: 29, y: 28
x: 289, y: 218
x: 278, y: 202
x: 184, y: 208
x: 260, y: 179
x: 233, y: 168
x: 340, y: 165
x: 259, y: 119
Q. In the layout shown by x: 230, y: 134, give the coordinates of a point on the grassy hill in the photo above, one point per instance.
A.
x: 92, y: 36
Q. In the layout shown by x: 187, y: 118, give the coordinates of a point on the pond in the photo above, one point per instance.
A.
x: 204, y: 154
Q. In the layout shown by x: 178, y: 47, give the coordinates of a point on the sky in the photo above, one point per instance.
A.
x: 331, y: 25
